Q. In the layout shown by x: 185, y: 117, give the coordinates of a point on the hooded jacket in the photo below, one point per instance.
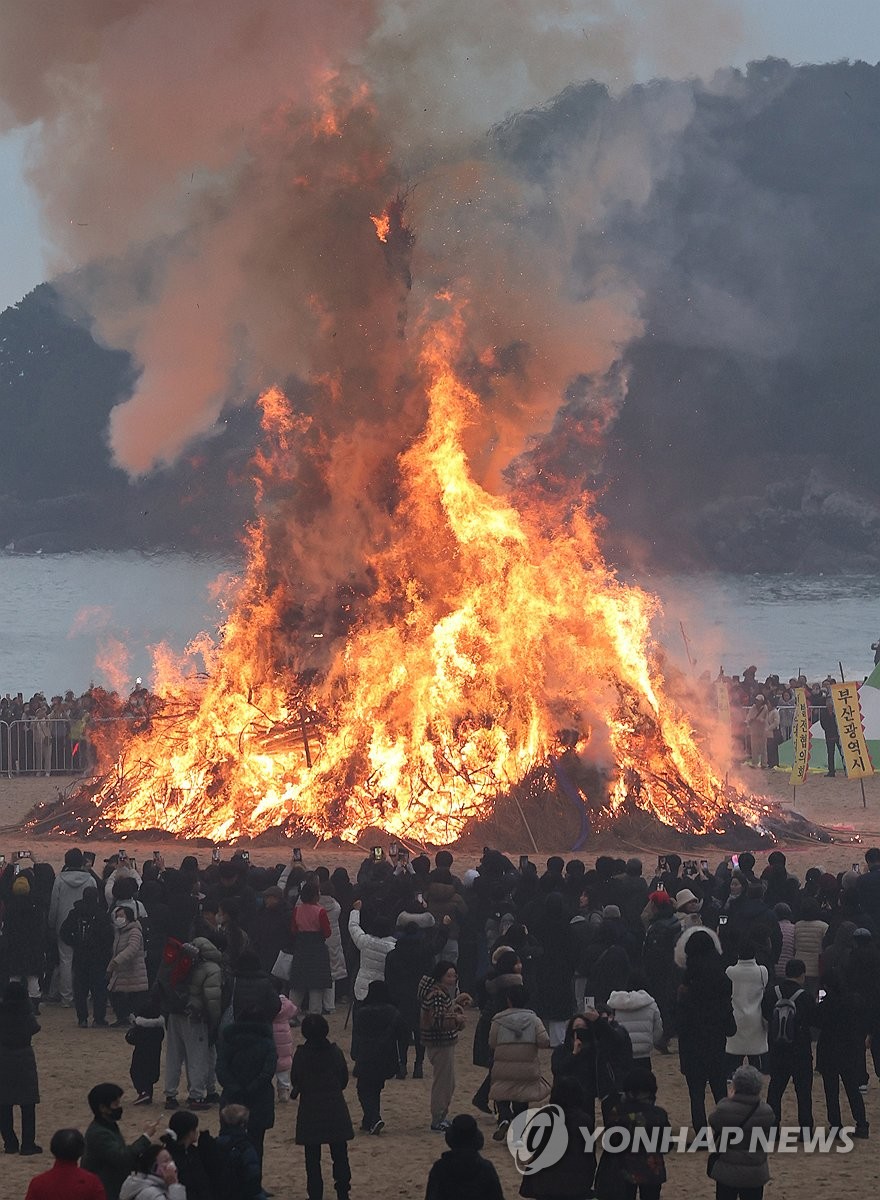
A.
x: 151, y: 1187
x: 127, y: 969
x: 205, y: 983
x: 515, y: 1036
x: 66, y: 890
x: 246, y: 1061
x: 639, y: 1015
x: 463, y: 1175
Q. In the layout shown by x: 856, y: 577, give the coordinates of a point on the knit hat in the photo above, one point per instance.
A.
x: 73, y: 859
x: 464, y: 1134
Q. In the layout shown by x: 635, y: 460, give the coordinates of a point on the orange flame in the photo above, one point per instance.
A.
x: 490, y: 629
x: 383, y: 225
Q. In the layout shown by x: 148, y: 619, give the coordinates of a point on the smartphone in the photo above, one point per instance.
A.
x: 704, y: 864
x: 403, y: 857
x: 122, y: 855
x: 89, y: 858
x: 420, y: 897
x: 589, y: 1003
x: 17, y: 869
x: 856, y: 868
x: 377, y: 853
x: 394, y: 849
x: 734, y: 861
x: 215, y: 854
x: 661, y: 864
x: 297, y: 854
x: 821, y: 993
x: 245, y: 856
x: 2, y: 860
x: 132, y: 862
x: 23, y: 854
x: 157, y: 854
x: 722, y: 920
x: 661, y: 886
x: 523, y: 861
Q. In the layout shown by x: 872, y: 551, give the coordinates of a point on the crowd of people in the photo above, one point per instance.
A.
x: 47, y: 737
x: 224, y: 975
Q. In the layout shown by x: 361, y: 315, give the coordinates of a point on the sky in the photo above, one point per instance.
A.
x: 799, y: 30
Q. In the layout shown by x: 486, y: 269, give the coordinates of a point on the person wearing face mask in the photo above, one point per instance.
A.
x: 106, y: 1153
x: 127, y: 969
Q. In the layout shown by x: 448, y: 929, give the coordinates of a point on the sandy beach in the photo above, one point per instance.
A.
x: 71, y: 1060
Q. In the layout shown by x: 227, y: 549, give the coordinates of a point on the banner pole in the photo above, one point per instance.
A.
x: 862, y: 786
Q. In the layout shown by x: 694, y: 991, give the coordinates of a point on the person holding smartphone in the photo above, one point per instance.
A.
x: 69, y: 886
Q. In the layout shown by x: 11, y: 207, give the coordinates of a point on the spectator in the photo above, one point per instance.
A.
x: 154, y: 1177
x: 790, y: 1012
x: 636, y: 1011
x: 809, y: 933
x: 66, y: 1180
x: 146, y: 1036
x: 283, y: 1039
x: 571, y: 1178
x: 127, y: 969
x: 441, y: 1019
x: 461, y: 1172
x: 516, y: 1035
x: 739, y: 1170
x: 635, y: 1171
x: 310, y: 971
x: 106, y: 1153
x: 240, y: 1168
x: 68, y: 888
x: 840, y: 1051
x: 88, y: 930
x: 748, y: 982
x: 18, y: 1070
x: 319, y: 1076
x: 23, y: 940
x: 246, y: 1061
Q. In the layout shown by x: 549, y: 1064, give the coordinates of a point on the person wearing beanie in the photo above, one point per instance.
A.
x: 69, y: 886
x: 66, y: 1180
x: 461, y: 1172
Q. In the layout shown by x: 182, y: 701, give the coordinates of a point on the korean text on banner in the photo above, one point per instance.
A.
x: 722, y: 700
x: 848, y: 711
x: 801, y: 737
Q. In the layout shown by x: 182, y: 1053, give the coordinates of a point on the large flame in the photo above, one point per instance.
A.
x: 490, y: 628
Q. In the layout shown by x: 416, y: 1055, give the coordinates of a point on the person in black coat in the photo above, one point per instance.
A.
x: 194, y: 1154
x: 572, y: 1175
x: 405, y: 965
x: 378, y: 1040
x: 254, y: 992
x: 596, y: 1052
x: 24, y: 939
x: 270, y: 929
x: 89, y: 930
x: 627, y: 1172
x: 792, y: 1060
x: 246, y: 1061
x: 704, y: 1017
x: 319, y: 1076
x: 461, y: 1172
x: 840, y: 1051
x: 18, y: 1070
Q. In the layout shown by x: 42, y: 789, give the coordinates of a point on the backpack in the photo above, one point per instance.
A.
x: 173, y: 976
x: 783, y: 1019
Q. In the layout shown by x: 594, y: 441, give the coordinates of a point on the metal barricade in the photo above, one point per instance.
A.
x: 42, y: 747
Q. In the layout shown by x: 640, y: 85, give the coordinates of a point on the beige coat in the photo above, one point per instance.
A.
x: 516, y: 1035
x: 127, y: 969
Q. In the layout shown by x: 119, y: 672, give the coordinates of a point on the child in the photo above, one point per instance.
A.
x: 242, y: 1174
x: 462, y: 1171
x: 283, y: 1047
x: 146, y: 1036
x: 631, y: 1173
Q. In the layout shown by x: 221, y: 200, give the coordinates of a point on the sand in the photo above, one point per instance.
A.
x: 71, y: 1060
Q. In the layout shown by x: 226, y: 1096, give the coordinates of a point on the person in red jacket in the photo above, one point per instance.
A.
x: 66, y: 1180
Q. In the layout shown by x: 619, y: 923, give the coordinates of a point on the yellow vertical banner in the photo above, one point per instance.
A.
x: 848, y: 710
x: 801, y: 737
x: 722, y: 700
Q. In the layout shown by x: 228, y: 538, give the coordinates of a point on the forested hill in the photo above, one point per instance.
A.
x: 748, y: 436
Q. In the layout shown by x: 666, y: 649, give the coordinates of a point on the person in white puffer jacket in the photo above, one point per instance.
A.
x: 373, y: 951
x: 154, y: 1177
x: 636, y: 1010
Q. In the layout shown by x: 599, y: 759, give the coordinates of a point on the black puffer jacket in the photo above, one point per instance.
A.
x: 255, y: 994
x: 463, y: 1175
x: 319, y: 1075
x: 246, y: 1060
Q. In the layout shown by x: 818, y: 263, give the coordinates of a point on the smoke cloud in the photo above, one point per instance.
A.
x: 215, y: 167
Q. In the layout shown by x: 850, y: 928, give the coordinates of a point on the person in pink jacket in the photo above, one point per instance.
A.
x: 283, y: 1036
